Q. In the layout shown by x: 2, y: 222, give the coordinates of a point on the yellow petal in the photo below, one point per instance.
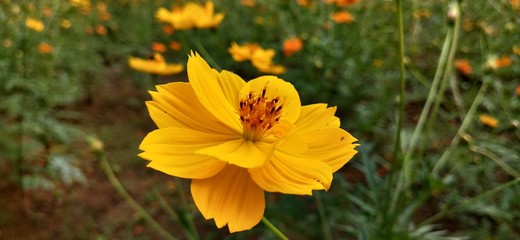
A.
x: 289, y: 174
x: 316, y: 116
x: 209, y: 91
x: 276, y: 87
x: 231, y: 84
x: 331, y: 145
x: 176, y: 105
x: 188, y: 166
x: 231, y: 198
x: 239, y: 152
x: 171, y: 151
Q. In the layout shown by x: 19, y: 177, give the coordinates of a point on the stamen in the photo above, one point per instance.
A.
x: 258, y: 113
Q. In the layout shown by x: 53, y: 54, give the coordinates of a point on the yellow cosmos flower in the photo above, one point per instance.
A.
x: 238, y: 139
x: 495, y: 62
x: 155, y: 65
x: 242, y: 53
x: 192, y: 15
x: 488, y: 120
x: 34, y: 24
x: 262, y: 59
x: 342, y: 17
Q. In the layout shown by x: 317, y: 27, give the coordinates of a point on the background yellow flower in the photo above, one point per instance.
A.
x: 155, y: 65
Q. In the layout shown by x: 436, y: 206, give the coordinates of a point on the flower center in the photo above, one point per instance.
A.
x: 258, y: 114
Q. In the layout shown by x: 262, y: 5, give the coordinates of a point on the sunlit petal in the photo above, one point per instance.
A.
x: 231, y: 198
x: 316, y: 116
x: 209, y: 91
x: 333, y: 146
x: 171, y: 151
x: 239, y: 152
x: 289, y: 174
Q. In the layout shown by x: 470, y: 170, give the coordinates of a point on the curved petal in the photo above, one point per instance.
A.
x: 176, y: 105
x: 208, y: 88
x: 231, y: 198
x: 316, y: 116
x: 171, y: 150
x: 290, y: 174
x: 190, y: 166
x: 239, y: 152
x: 276, y: 88
x: 231, y: 84
x: 333, y: 146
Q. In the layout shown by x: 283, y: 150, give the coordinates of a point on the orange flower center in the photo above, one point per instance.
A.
x: 258, y: 114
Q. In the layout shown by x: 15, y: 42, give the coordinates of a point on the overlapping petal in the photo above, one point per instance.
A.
x: 176, y: 105
x: 287, y: 173
x: 330, y: 145
x: 171, y: 150
x: 316, y: 116
x: 210, y: 90
x: 239, y: 152
x: 231, y: 198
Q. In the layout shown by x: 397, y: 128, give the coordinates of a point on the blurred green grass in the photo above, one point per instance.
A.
x: 51, y: 100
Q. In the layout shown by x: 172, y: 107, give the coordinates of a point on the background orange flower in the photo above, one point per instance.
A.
x: 291, y: 46
x: 464, y: 67
x: 342, y: 17
x: 45, y: 48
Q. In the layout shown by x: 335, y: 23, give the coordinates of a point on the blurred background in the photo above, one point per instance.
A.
x: 67, y: 93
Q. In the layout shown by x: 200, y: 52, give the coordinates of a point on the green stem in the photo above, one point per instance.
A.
x: 462, y: 129
x: 511, y: 171
x: 186, y: 219
x: 205, y: 53
x: 129, y: 200
x: 398, y: 154
x: 461, y: 206
x: 400, y: 118
x: 443, y: 59
x: 447, y: 70
x: 273, y: 229
x: 324, y: 224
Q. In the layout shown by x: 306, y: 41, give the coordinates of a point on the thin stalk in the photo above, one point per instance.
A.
x: 187, y: 219
x: 273, y: 229
x: 400, y: 118
x: 398, y: 154
x: 129, y: 200
x: 443, y: 59
x: 462, y: 129
x: 205, y: 53
x: 462, y: 205
x: 511, y: 171
x: 327, y: 235
x: 447, y: 71
x: 162, y: 202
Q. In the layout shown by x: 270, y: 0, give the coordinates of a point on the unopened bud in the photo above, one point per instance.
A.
x: 453, y: 12
x: 515, y: 123
x: 95, y: 144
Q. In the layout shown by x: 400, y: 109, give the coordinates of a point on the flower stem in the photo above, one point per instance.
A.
x: 273, y: 229
x: 400, y: 118
x: 205, y: 53
x: 321, y: 210
x: 448, y: 69
x: 129, y: 200
x: 186, y: 219
x: 398, y: 152
x: 462, y: 129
